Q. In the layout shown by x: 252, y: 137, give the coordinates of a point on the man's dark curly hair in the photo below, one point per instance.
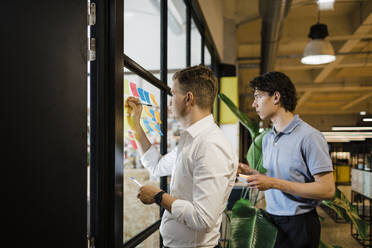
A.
x: 277, y: 81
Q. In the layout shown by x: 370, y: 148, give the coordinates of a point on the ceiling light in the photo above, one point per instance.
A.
x: 337, y: 140
x: 351, y: 128
x: 318, y: 51
x: 326, y: 4
x: 363, y: 112
x: 346, y: 136
x: 367, y: 119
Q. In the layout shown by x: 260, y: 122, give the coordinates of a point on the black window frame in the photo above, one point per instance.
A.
x: 106, y: 121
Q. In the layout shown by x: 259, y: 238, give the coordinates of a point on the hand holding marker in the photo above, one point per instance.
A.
x: 140, y: 103
x: 134, y: 180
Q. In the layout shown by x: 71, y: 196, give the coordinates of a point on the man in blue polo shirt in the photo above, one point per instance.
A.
x: 295, y: 155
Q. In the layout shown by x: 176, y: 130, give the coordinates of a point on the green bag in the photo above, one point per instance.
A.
x: 251, y: 227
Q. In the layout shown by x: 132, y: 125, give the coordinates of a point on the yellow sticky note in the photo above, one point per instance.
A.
x: 147, y: 110
x: 153, y: 99
x: 126, y: 87
x: 126, y: 135
x: 152, y: 125
x: 126, y: 124
x: 157, y: 116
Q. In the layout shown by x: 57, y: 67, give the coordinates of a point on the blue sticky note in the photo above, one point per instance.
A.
x: 147, y: 97
x: 141, y: 93
x: 147, y: 125
x: 153, y: 114
x: 158, y: 129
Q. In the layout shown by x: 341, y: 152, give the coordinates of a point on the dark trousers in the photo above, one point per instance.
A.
x: 217, y: 246
x: 299, y: 231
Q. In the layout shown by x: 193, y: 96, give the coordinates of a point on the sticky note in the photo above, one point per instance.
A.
x: 126, y: 87
x: 134, y: 145
x: 126, y: 135
x: 126, y: 124
x: 156, y: 127
x: 142, y: 94
x: 147, y: 97
x: 157, y: 116
x: 133, y: 87
x: 153, y: 99
x: 147, y: 111
x: 153, y: 115
x: 148, y: 126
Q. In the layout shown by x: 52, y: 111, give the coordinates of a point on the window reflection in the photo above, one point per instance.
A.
x: 176, y: 58
x: 207, y: 57
x: 142, y: 32
x: 138, y: 216
x: 176, y: 35
x: 195, y: 45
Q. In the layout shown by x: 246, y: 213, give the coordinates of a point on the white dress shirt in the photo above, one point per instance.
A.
x: 203, y: 168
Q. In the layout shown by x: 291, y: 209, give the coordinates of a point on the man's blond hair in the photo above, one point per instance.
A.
x: 201, y: 81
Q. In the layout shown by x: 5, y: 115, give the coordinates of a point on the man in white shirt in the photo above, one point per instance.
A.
x: 203, y: 166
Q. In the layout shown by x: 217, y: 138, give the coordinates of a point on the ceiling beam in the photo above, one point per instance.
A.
x: 294, y: 64
x: 296, y: 30
x: 325, y: 112
x: 364, y: 27
x: 356, y: 101
x: 332, y: 87
x: 303, y: 98
x: 300, y: 39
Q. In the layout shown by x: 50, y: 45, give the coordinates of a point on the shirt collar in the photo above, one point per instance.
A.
x: 200, y: 126
x: 291, y: 125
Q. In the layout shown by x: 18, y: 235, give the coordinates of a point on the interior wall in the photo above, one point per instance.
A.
x: 44, y: 176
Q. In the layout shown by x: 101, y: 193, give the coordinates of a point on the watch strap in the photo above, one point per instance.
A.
x: 158, y: 197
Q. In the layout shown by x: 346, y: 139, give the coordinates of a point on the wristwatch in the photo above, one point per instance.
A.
x: 158, y: 197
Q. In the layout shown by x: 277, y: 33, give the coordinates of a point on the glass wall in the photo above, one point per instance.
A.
x: 207, y: 57
x: 195, y: 45
x: 176, y: 58
x: 142, y: 32
x: 176, y: 36
x: 142, y: 22
x: 138, y: 216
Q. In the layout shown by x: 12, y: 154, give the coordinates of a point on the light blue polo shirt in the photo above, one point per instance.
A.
x: 294, y: 154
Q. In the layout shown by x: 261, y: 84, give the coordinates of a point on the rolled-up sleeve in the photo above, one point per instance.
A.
x: 158, y: 165
x: 213, y: 177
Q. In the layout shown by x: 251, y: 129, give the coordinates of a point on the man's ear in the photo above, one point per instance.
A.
x: 276, y: 97
x: 189, y: 98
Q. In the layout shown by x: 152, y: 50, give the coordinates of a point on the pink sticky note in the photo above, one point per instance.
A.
x: 134, y: 144
x: 134, y: 90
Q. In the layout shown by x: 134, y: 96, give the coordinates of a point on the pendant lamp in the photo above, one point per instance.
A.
x: 319, y: 50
